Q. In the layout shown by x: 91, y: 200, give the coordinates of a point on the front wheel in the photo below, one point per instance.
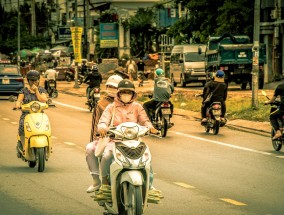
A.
x: 40, y: 154
x: 54, y: 94
x: 68, y: 78
x: 277, y: 144
x: 216, y: 127
x: 135, y: 200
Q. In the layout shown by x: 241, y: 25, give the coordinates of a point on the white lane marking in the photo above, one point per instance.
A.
x: 234, y: 202
x: 184, y: 185
x: 71, y: 106
x: 69, y: 143
x: 221, y: 143
x: 14, y: 123
x: 6, y: 119
x: 280, y: 157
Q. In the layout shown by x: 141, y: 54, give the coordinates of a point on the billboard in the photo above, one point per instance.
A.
x: 108, y: 35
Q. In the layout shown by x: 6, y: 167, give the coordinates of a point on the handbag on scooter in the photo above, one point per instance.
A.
x: 103, y: 141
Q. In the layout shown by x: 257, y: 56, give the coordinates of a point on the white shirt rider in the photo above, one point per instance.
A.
x: 50, y: 74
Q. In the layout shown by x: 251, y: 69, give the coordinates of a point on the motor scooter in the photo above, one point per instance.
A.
x: 213, y: 116
x: 69, y: 74
x: 93, y: 99
x: 51, y: 89
x: 37, y: 132
x: 161, y: 117
x: 277, y: 143
x: 129, y: 172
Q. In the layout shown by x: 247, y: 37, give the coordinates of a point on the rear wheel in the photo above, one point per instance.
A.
x: 216, y: 127
x: 40, y: 154
x: 277, y: 144
x: 244, y: 86
x: 164, y: 126
x: 182, y: 83
x: 135, y: 200
x: 173, y: 81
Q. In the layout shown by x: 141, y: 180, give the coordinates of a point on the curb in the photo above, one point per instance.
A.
x: 238, y: 124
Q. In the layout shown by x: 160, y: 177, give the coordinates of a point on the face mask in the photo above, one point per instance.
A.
x: 125, y: 98
x: 111, y: 92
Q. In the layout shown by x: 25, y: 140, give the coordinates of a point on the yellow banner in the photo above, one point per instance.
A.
x: 76, y: 33
x: 108, y: 43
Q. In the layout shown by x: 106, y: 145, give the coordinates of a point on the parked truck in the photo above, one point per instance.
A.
x: 233, y: 54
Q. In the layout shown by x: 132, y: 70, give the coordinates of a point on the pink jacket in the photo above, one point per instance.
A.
x: 133, y: 112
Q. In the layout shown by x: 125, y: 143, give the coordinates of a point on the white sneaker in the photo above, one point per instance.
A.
x: 93, y: 188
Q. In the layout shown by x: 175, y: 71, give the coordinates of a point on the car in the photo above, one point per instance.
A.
x: 11, y: 80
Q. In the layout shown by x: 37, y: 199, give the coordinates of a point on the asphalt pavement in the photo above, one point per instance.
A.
x: 261, y: 128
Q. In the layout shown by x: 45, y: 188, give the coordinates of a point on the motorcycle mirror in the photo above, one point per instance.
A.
x: 12, y: 98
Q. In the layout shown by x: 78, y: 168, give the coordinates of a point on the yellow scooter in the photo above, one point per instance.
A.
x: 37, y: 145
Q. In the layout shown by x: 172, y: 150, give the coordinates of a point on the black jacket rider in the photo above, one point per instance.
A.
x: 220, y: 95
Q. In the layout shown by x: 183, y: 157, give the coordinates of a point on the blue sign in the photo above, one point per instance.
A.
x: 108, y: 35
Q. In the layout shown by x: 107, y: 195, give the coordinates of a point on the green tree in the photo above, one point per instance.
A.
x: 143, y: 32
x: 207, y: 17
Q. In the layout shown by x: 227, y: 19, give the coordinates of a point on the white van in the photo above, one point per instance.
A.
x: 187, y: 64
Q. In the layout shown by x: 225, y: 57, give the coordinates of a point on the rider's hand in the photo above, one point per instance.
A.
x: 34, y: 88
x: 102, y: 132
x: 154, y: 131
x: 18, y: 105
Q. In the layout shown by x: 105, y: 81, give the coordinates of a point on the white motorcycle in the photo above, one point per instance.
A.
x: 129, y: 171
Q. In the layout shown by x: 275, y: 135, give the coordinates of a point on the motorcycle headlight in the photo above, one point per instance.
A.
x: 130, y: 133
x: 122, y: 159
x: 35, y: 107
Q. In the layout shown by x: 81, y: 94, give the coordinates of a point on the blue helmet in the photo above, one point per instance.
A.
x: 220, y: 74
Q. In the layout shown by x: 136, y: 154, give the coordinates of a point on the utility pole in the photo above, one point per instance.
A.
x: 85, y: 32
x: 76, y: 85
x: 255, y: 49
x: 33, y: 30
x: 19, y: 34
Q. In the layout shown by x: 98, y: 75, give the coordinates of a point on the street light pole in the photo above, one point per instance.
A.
x: 255, y: 49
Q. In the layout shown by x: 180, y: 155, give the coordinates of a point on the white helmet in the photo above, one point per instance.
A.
x: 113, y: 80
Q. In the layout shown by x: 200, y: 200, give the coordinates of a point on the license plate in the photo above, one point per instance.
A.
x: 202, y: 78
x: 5, y: 81
x: 216, y: 112
x: 97, y: 95
x: 166, y: 111
x: 52, y: 84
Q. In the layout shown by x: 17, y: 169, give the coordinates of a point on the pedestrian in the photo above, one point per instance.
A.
x: 131, y: 69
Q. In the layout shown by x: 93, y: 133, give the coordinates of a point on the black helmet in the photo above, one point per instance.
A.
x: 33, y: 75
x: 126, y: 84
x: 94, y: 68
